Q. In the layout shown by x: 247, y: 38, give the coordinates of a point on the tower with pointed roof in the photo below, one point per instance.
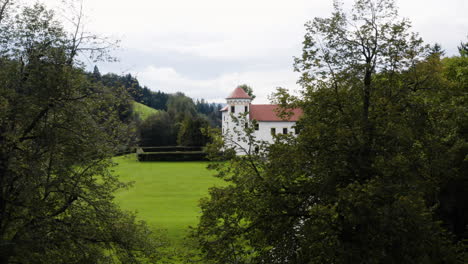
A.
x: 238, y: 101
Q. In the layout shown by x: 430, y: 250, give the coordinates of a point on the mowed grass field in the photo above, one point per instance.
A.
x: 164, y: 194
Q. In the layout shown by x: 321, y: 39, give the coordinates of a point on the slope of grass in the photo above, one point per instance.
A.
x: 143, y: 111
x: 164, y: 194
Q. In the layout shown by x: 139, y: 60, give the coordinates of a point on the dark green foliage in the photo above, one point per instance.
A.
x: 248, y: 90
x: 376, y: 174
x: 463, y: 49
x: 158, y: 130
x: 170, y: 149
x: 160, y: 100
x: 173, y: 153
x: 190, y: 133
x: 96, y: 75
x: 181, y: 107
x: 211, y: 111
x: 436, y: 50
x: 156, y: 100
x: 58, y: 133
x: 173, y: 156
x: 169, y: 127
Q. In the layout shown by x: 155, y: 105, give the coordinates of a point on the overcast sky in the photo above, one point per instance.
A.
x: 205, y: 48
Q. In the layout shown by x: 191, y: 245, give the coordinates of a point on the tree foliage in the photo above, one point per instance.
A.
x: 190, y: 133
x: 248, y: 90
x: 158, y: 130
x: 168, y: 127
x: 377, y: 172
x: 58, y: 133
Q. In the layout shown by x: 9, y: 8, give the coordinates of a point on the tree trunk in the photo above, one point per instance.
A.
x: 365, y: 157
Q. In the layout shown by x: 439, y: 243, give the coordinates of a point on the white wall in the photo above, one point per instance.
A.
x: 264, y: 129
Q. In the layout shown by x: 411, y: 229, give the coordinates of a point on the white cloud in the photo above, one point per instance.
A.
x: 216, y: 89
x: 241, y: 29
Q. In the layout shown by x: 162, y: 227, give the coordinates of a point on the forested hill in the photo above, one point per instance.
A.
x: 178, y: 119
x: 157, y: 100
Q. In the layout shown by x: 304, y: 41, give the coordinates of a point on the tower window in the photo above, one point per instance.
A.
x: 256, y: 126
x: 285, y: 130
x: 246, y: 109
x: 273, y: 131
x: 233, y: 109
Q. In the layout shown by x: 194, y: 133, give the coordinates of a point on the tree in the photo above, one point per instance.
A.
x: 180, y: 106
x: 437, y: 50
x: 96, y: 74
x: 190, y: 133
x: 58, y: 133
x: 360, y: 183
x: 248, y: 90
x: 158, y: 130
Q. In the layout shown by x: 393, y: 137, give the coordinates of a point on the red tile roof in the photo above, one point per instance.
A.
x: 270, y: 113
x: 224, y: 108
x: 239, y: 93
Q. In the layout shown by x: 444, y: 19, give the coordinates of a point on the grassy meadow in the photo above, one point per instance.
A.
x: 164, y: 194
x: 143, y: 111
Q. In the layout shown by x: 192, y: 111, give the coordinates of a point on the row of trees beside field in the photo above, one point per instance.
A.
x: 378, y: 172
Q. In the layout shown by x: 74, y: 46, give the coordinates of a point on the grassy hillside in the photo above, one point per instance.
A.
x: 143, y: 111
x: 165, y: 194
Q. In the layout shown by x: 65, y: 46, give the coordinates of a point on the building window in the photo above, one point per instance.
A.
x: 285, y: 130
x: 246, y: 125
x: 256, y: 126
x: 273, y: 131
x: 296, y: 130
x: 246, y: 109
x: 233, y: 109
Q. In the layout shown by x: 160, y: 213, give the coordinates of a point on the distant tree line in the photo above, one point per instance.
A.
x: 180, y: 119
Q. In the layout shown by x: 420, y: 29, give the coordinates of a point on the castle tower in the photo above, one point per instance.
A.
x: 238, y: 103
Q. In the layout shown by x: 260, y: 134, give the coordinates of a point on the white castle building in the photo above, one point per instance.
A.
x: 268, y: 123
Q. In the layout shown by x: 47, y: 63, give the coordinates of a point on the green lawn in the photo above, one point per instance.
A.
x: 143, y: 111
x: 165, y: 194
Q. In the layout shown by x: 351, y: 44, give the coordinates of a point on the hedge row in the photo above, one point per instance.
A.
x: 172, y: 156
x: 170, y: 149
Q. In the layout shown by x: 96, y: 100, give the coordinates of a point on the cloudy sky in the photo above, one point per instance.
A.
x: 205, y: 48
